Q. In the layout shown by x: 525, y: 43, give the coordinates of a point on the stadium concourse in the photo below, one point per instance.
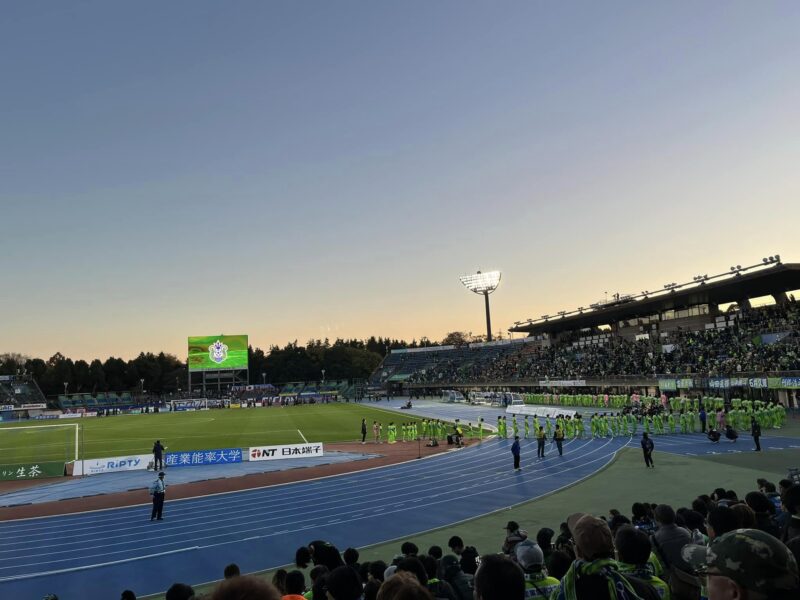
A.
x: 98, y: 554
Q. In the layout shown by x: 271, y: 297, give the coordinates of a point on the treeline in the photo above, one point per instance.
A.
x: 163, y: 373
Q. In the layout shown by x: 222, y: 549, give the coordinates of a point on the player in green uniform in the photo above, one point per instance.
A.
x: 526, y: 427
x: 514, y: 426
x: 658, y: 424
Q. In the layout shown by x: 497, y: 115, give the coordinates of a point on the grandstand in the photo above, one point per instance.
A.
x: 20, y: 391
x: 632, y: 342
x: 101, y: 400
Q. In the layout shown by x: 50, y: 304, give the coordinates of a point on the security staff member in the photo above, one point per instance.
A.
x: 158, y: 456
x: 559, y: 437
x: 158, y: 490
x: 755, y: 431
x: 541, y: 438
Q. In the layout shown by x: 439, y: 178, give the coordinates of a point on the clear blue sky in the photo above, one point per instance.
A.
x: 309, y: 169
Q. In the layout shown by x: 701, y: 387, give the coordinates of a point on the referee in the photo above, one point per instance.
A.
x: 158, y: 490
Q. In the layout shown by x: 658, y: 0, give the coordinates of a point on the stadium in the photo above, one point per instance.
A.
x: 256, y: 470
x: 362, y: 300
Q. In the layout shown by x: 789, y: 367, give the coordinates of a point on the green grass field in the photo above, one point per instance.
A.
x: 231, y: 428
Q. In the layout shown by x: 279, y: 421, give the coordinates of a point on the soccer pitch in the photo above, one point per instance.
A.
x: 122, y: 435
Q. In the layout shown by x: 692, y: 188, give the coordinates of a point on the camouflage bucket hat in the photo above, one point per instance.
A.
x: 753, y: 559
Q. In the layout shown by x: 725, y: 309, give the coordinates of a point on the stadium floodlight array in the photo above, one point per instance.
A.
x: 485, y: 284
x: 668, y: 288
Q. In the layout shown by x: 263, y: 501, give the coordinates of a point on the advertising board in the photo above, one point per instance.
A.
x: 115, y: 464
x: 286, y: 451
x: 219, y: 456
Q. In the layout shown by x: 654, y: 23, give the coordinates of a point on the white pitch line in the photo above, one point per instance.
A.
x: 305, y: 441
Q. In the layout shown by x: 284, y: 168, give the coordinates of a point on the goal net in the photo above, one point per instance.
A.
x: 25, y: 444
x: 189, y: 405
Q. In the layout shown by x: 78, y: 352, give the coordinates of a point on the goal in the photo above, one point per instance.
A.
x: 26, y: 444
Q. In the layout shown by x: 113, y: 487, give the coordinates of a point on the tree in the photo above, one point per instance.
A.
x: 456, y: 338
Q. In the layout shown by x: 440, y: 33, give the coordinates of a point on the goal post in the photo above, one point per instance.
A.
x: 40, y: 443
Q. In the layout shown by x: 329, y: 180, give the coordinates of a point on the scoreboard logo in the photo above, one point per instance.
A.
x: 218, y: 352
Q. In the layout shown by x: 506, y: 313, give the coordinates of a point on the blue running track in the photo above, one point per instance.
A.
x: 98, y: 554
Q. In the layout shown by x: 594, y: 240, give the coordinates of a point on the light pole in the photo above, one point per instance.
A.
x: 141, y: 381
x: 484, y: 284
x: 264, y: 378
x: 323, y: 376
x: 66, y: 385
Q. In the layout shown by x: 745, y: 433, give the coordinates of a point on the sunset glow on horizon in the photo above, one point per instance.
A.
x: 294, y: 171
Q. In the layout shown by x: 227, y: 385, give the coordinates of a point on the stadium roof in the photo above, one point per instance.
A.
x: 731, y: 287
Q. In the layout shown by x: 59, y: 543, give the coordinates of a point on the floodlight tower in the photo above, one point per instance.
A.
x: 483, y: 283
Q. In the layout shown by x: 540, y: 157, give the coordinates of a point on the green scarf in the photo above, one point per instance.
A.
x: 618, y: 586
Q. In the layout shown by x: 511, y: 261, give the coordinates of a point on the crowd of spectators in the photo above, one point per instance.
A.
x: 739, y: 348
x: 719, y: 546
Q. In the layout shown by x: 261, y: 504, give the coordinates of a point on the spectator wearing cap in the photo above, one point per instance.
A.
x: 633, y: 557
x: 498, y: 578
x: 514, y: 535
x: 450, y: 571
x: 537, y: 582
x: 746, y: 563
x: 594, y: 575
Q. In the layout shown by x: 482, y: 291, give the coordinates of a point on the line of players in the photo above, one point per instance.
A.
x: 627, y: 424
x: 688, y: 420
x: 425, y: 429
